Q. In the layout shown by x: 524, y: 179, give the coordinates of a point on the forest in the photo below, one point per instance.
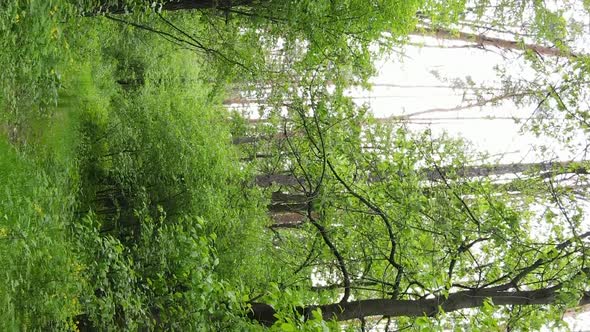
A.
x: 202, y: 165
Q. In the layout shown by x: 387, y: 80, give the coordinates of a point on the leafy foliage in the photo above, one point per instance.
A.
x: 40, y: 276
x: 125, y: 205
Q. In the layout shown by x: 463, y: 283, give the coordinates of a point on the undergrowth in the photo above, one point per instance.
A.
x: 122, y: 205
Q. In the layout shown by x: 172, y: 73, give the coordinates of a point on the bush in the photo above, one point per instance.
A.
x: 40, y: 278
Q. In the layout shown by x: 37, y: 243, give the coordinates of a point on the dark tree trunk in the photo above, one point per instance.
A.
x: 264, y: 313
x: 267, y: 180
x: 202, y: 4
x: 288, y: 220
x: 287, y: 207
x: 173, y: 5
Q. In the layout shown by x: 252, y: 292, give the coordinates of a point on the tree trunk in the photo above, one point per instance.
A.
x: 545, y: 168
x: 201, y: 4
x: 264, y: 313
x: 266, y: 180
x: 479, y: 103
x: 484, y: 41
x: 254, y: 139
x: 173, y: 5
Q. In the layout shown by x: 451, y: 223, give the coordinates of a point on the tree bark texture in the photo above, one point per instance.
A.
x: 173, y: 5
x: 264, y: 313
x: 545, y: 168
x: 485, y: 41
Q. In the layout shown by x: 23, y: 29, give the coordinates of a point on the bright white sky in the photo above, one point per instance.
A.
x: 497, y: 136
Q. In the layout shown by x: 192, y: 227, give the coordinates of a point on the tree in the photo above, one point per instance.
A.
x: 170, y: 230
x: 122, y: 7
x: 403, y: 247
x: 419, y: 308
x: 409, y: 244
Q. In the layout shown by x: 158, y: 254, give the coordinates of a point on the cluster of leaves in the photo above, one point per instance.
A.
x: 31, y: 36
x: 40, y: 275
x: 158, y: 181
